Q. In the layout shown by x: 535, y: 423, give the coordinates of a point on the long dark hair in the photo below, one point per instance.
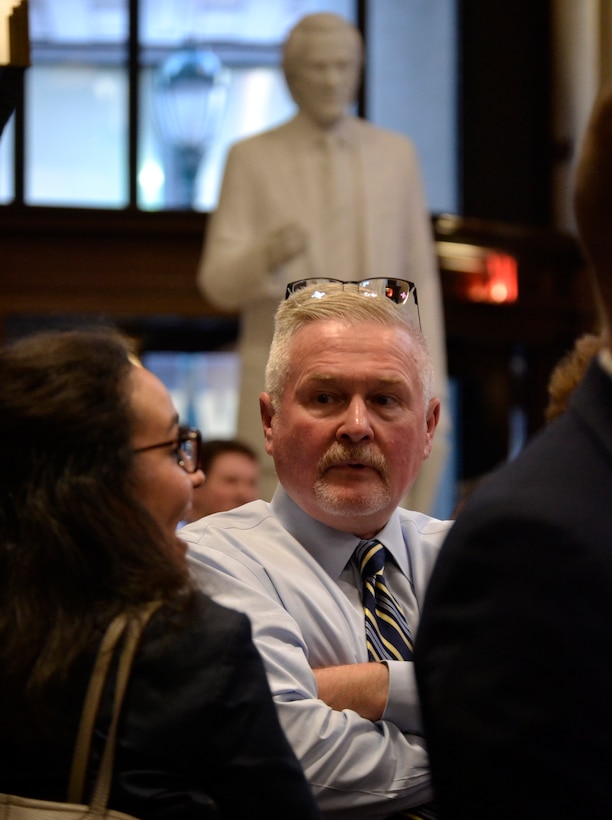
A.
x: 75, y: 545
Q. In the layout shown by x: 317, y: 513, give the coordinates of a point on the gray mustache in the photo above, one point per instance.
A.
x: 364, y: 454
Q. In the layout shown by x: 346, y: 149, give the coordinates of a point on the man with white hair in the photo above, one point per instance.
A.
x: 332, y: 572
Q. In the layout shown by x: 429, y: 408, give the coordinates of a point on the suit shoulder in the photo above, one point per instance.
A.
x: 384, y: 136
x: 204, y: 629
x: 260, y: 141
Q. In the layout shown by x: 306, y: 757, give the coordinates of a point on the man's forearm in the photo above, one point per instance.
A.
x: 362, y: 687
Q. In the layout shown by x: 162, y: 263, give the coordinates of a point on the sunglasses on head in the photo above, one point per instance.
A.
x: 399, y: 291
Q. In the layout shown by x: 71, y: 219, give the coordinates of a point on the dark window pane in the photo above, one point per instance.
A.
x: 7, y: 190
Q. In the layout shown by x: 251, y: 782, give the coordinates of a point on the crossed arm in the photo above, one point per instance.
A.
x: 359, y: 763
x: 362, y: 687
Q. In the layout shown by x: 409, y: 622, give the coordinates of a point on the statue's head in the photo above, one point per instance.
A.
x: 322, y: 61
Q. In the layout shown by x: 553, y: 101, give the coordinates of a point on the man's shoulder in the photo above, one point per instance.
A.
x: 423, y: 537
x: 422, y: 523
x: 241, y: 543
x: 245, y: 519
x: 251, y: 536
x: 263, y: 139
x: 376, y: 134
x: 422, y: 534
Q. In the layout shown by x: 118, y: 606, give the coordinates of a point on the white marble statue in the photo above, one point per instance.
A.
x: 325, y: 194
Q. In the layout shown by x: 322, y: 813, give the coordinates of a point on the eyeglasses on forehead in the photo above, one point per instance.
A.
x: 399, y: 291
x: 187, y: 446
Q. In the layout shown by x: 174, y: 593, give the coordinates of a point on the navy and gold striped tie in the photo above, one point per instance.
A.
x: 388, y: 636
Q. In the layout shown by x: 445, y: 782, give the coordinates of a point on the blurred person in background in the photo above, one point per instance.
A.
x: 231, y: 471
x: 569, y: 372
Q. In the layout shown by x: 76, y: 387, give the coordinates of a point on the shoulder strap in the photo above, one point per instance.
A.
x: 90, y: 706
x: 80, y: 760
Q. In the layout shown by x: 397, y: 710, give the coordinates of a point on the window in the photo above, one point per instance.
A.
x: 203, y: 386
x: 98, y: 133
x: 77, y: 115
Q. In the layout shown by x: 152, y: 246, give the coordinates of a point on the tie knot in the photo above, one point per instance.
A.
x: 371, y: 558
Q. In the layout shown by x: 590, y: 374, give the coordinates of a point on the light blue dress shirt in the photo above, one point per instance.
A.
x: 297, y: 581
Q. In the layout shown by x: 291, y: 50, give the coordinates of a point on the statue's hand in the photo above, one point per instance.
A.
x: 285, y: 243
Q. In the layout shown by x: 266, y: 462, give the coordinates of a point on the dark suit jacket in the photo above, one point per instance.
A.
x: 199, y: 731
x: 514, y: 650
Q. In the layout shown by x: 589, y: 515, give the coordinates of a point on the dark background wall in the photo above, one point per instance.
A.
x: 504, y: 102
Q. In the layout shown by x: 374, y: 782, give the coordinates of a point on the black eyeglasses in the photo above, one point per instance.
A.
x: 187, y: 447
x: 399, y: 291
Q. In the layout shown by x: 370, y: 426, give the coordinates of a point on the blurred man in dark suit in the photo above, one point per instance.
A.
x: 513, y: 650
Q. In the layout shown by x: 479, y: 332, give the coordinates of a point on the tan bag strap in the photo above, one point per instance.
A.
x: 82, y: 750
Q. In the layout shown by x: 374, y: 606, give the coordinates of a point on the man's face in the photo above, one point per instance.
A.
x: 351, y: 430
x: 325, y: 78
x: 231, y: 480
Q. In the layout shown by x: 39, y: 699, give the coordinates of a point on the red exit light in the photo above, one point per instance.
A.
x: 476, y: 274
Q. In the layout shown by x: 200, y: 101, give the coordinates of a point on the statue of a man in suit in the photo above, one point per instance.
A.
x: 325, y: 194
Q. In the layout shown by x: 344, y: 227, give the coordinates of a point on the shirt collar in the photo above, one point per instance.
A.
x: 333, y: 549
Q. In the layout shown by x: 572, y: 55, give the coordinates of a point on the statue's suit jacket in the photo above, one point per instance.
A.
x: 513, y: 653
x: 266, y: 185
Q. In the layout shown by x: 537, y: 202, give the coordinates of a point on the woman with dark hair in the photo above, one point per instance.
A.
x: 95, y: 474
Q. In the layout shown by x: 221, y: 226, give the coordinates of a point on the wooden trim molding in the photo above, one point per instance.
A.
x: 89, y: 261
x: 138, y: 270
